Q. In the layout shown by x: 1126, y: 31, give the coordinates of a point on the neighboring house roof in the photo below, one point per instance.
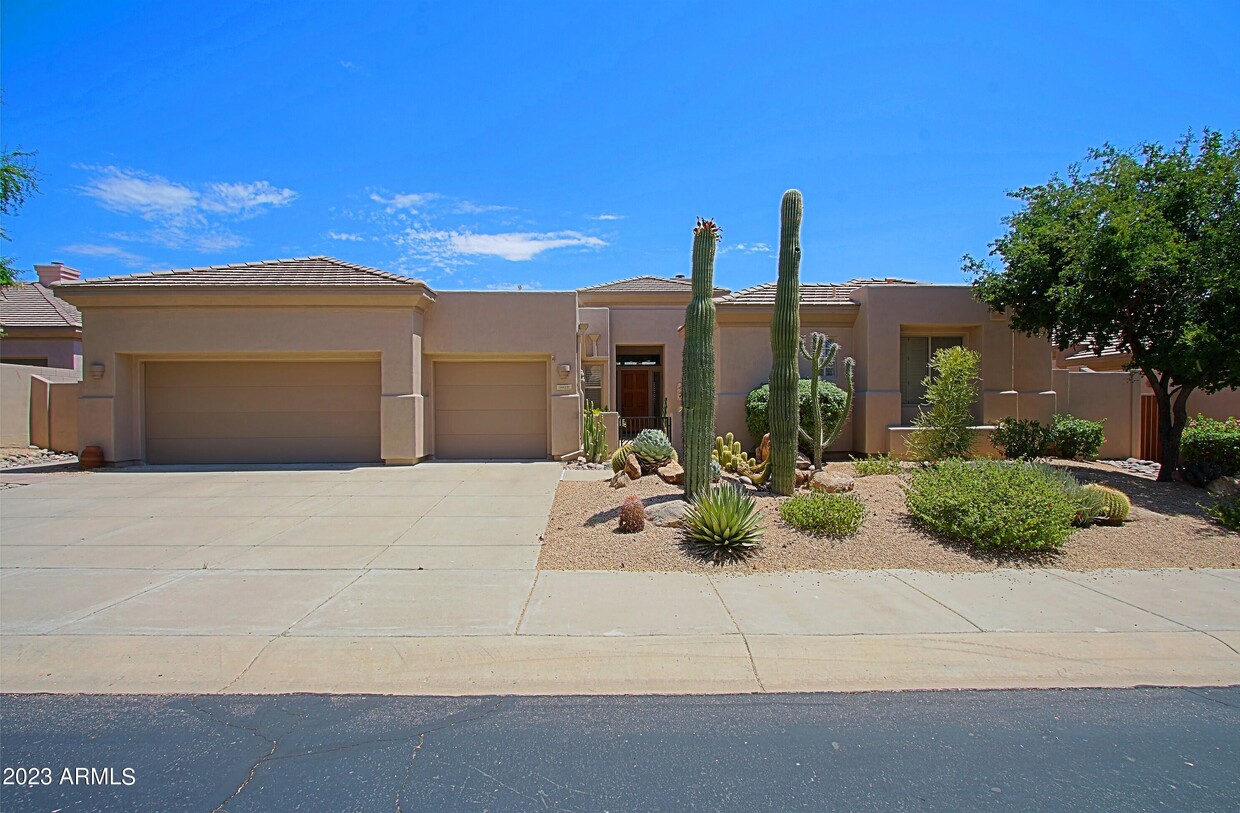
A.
x: 812, y: 293
x: 31, y: 304
x: 300, y: 271
x: 1086, y: 353
x: 648, y: 285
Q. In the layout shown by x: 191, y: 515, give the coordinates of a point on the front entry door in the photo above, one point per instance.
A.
x: 634, y: 393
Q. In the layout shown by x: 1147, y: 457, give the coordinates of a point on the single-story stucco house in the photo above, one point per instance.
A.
x: 319, y: 360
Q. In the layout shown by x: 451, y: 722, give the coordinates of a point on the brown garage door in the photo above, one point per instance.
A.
x: 487, y: 409
x: 262, y: 412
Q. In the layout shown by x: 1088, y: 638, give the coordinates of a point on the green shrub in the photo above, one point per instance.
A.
x: 1227, y: 511
x: 999, y: 505
x: 1020, y: 439
x: 724, y: 522
x: 819, y: 512
x: 878, y: 464
x: 944, y: 425
x: 1091, y: 506
x: 1076, y: 438
x: 1208, y: 440
x: 831, y: 400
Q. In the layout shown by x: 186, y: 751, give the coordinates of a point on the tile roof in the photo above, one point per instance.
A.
x: 300, y: 271
x: 812, y: 293
x: 648, y: 284
x: 31, y: 304
x: 1086, y: 352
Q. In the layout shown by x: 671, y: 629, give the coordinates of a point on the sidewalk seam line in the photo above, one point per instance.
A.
x: 753, y: 666
x: 179, y: 575
x: 528, y: 598
x: 1129, y: 604
x: 284, y: 634
x: 951, y: 610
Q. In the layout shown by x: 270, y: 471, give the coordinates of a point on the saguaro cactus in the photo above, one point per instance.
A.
x: 698, y: 362
x: 820, y: 352
x: 782, y: 408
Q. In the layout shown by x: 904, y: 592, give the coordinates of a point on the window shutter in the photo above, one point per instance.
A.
x: 592, y: 387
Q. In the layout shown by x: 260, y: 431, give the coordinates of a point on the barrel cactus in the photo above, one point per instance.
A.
x: 785, y: 336
x: 621, y: 454
x: 652, y: 447
x: 698, y: 362
x: 1116, y: 504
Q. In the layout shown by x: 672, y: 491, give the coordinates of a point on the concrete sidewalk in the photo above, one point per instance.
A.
x: 525, y: 632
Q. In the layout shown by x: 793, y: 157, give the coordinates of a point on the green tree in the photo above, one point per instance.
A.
x: 945, y: 423
x: 18, y: 181
x: 1140, y: 249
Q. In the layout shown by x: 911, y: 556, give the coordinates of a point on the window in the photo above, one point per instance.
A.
x: 915, y: 355
x: 592, y: 384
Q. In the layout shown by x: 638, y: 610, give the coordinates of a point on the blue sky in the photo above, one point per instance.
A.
x: 486, y: 145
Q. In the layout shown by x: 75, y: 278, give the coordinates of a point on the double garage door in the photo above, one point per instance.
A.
x: 262, y: 412
x: 204, y: 412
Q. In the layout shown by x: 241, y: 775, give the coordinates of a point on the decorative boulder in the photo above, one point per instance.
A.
x: 672, y: 473
x: 620, y: 480
x: 804, y: 462
x: 803, y: 477
x: 764, y: 448
x: 1224, y: 487
x: 633, y: 467
x: 832, y: 483
x: 670, y: 514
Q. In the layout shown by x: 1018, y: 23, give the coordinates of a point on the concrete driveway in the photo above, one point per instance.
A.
x: 329, y: 551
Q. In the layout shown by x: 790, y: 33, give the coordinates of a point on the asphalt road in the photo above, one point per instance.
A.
x: 1117, y: 750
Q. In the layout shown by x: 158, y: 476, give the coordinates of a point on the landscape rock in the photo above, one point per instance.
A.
x: 672, y: 473
x: 1224, y: 486
x: 669, y: 514
x: 764, y: 448
x: 831, y: 483
x: 803, y: 477
x: 803, y: 462
x: 633, y: 467
x: 620, y: 480
x: 745, y: 480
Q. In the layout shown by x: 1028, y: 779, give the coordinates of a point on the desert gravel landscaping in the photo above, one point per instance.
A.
x: 1168, y: 529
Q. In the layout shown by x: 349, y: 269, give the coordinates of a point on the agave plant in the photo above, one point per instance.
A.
x: 653, y: 447
x: 723, y: 522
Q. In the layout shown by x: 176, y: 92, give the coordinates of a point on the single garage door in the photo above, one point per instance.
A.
x: 262, y: 412
x: 487, y: 409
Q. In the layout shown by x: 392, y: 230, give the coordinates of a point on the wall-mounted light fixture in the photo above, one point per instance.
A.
x: 565, y: 369
x: 96, y: 370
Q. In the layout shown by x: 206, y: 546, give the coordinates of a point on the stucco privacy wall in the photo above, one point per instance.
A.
x: 652, y: 324
x: 125, y: 329
x: 16, y: 399
x: 515, y: 326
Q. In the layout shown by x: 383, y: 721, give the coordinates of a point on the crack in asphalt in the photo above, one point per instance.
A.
x: 222, y: 807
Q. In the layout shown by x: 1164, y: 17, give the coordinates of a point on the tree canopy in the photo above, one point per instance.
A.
x: 18, y: 181
x: 1140, y: 250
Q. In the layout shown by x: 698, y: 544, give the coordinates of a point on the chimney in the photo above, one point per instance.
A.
x: 56, y: 272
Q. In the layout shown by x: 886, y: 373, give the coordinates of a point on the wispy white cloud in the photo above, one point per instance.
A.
x: 349, y: 237
x: 412, y: 201
x: 468, y: 207
x: 244, y: 199
x: 349, y: 66
x: 747, y: 248
x: 107, y: 252
x: 606, y: 217
x: 521, y: 246
x: 181, y: 216
x: 132, y: 192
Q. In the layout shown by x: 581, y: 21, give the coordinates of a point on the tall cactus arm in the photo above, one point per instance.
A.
x: 849, y: 365
x: 782, y: 409
x: 698, y: 363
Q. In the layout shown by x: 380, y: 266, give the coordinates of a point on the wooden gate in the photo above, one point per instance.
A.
x: 1150, y: 447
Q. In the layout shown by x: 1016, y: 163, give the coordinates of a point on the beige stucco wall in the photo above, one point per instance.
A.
x: 513, y: 325
x: 63, y: 351
x: 124, y: 330
x: 656, y: 324
x: 16, y: 415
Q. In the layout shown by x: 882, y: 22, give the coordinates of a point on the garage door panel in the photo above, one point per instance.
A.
x: 490, y: 409
x: 495, y: 373
x: 196, y: 399
x: 491, y: 446
x: 490, y: 396
x: 262, y: 412
x: 275, y: 450
x: 516, y: 422
x: 204, y: 426
x: 261, y: 373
